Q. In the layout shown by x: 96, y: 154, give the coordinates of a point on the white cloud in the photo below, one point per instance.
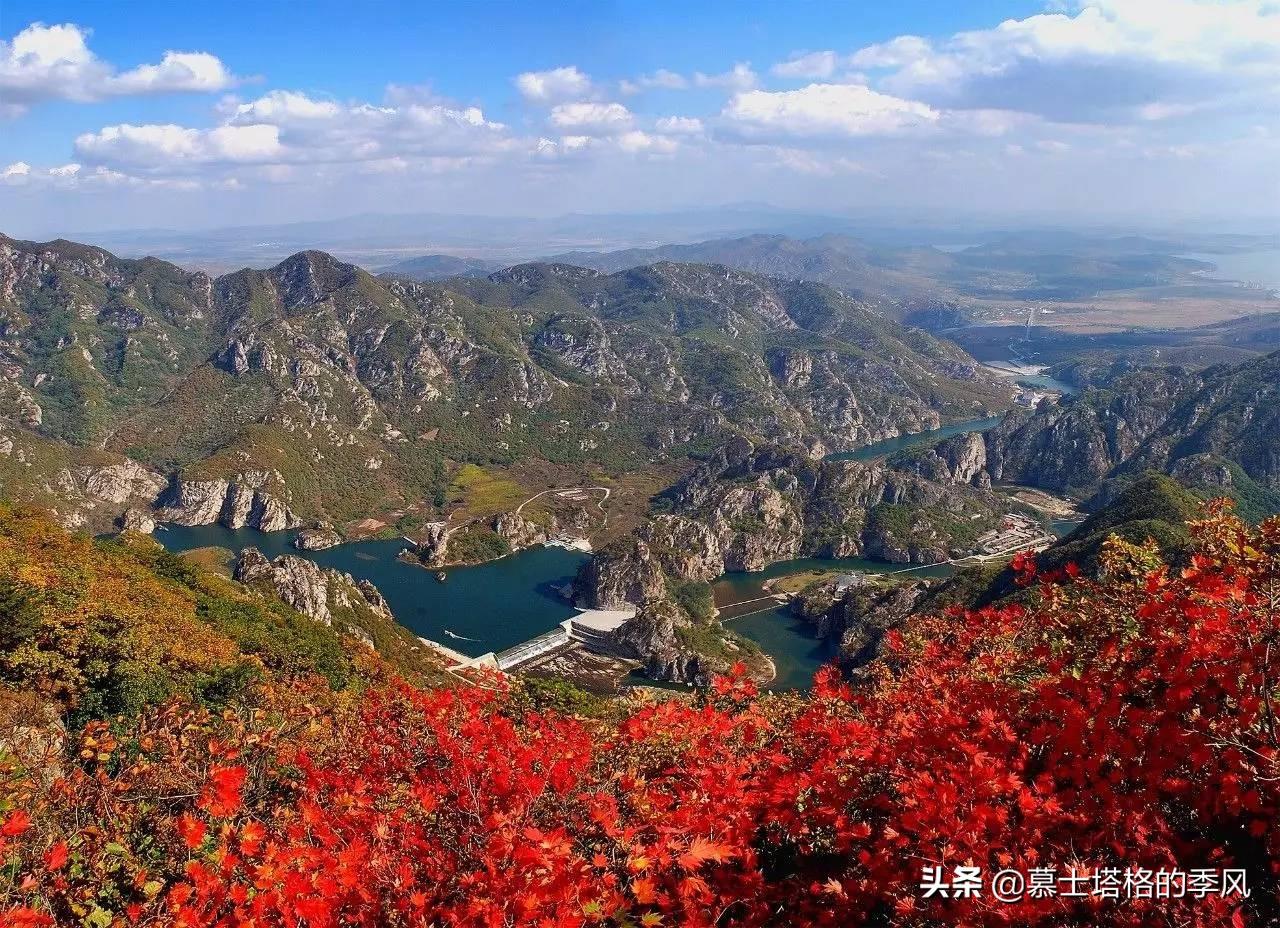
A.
x: 1107, y: 61
x: 66, y: 170
x: 895, y: 53
x: 282, y: 106
x: 679, y: 125
x: 555, y: 85
x: 636, y: 141
x: 631, y: 142
x: 811, y: 66
x: 55, y: 63
x: 17, y: 169
x: 170, y: 146
x: 284, y: 128
x: 661, y: 79
x: 177, y: 71
x: 591, y: 118
x: 739, y: 77
x: 825, y: 111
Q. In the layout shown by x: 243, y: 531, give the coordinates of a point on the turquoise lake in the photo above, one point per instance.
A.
x: 498, y: 604
x: 493, y: 606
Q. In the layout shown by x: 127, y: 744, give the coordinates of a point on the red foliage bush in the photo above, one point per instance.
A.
x: 1120, y: 723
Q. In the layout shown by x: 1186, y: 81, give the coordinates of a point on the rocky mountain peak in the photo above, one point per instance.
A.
x: 309, y: 277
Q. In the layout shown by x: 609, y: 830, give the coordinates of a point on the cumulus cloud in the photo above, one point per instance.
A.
x: 170, y: 146
x: 55, y: 63
x: 825, y: 111
x: 661, y: 79
x: 555, y: 85
x: 17, y: 169
x: 739, y: 77
x: 630, y: 142
x: 1107, y: 61
x: 285, y: 127
x: 591, y: 118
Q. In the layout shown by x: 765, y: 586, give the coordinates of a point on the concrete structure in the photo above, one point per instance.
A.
x: 591, y: 628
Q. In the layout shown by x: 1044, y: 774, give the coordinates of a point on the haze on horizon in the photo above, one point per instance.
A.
x: 146, y: 115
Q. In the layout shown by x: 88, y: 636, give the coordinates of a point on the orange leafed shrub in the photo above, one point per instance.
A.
x: 1118, y: 723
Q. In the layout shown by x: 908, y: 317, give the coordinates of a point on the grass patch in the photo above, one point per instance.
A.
x: 481, y: 492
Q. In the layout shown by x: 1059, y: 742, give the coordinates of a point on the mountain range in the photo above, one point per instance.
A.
x: 316, y: 390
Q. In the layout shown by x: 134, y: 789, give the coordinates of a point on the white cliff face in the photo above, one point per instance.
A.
x: 233, y: 504
x: 120, y: 483
x: 317, y: 537
x: 135, y: 520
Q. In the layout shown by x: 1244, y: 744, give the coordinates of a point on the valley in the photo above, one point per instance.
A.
x: 496, y: 450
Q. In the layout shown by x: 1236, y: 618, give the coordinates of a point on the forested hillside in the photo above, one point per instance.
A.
x: 165, y: 762
x: 315, y: 390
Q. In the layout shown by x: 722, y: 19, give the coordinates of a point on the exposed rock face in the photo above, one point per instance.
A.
x: 433, y: 550
x: 120, y: 483
x: 135, y: 520
x: 373, y: 596
x: 297, y: 581
x: 233, y: 504
x: 317, y: 537
x: 651, y: 637
x: 315, y: 591
x: 622, y: 576
x: 1206, y: 428
x: 748, y: 507
x: 959, y: 459
x: 519, y: 531
x: 858, y: 614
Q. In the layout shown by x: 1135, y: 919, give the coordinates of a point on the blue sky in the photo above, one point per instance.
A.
x: 132, y: 114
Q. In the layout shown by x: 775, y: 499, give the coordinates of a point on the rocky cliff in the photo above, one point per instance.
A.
x: 747, y: 507
x: 1216, y: 429
x: 855, y: 612
x: 319, y: 593
x: 234, y: 503
x: 652, y: 637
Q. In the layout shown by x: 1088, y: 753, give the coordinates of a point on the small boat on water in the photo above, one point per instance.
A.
x: 441, y: 576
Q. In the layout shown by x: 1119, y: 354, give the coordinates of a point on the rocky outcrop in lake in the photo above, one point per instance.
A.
x: 317, y: 537
x: 856, y: 611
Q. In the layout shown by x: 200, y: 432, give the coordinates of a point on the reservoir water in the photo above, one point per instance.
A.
x: 1259, y: 268
x: 890, y: 446
x: 497, y: 605
x: 493, y: 606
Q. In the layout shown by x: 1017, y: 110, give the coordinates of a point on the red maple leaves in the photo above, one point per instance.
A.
x: 1130, y: 724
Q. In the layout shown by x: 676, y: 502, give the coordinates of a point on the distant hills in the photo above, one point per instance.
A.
x: 315, y: 390
x: 441, y: 267
x: 1019, y: 266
